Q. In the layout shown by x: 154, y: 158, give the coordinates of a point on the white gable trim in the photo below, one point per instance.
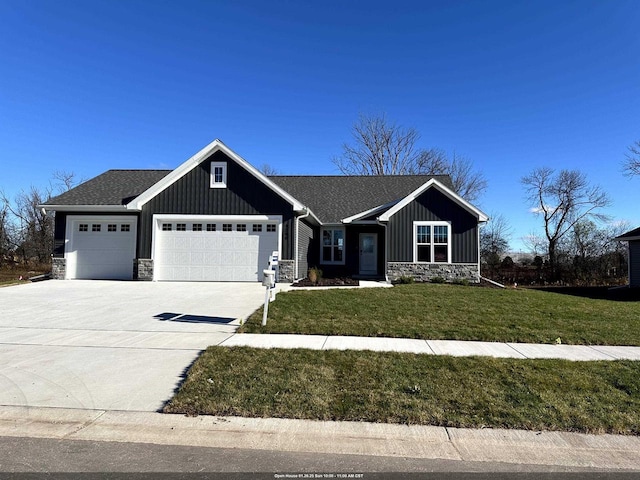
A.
x: 366, y: 213
x: 447, y: 191
x: 196, y: 160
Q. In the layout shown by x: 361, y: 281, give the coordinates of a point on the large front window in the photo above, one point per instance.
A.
x: 333, y: 245
x: 432, y: 242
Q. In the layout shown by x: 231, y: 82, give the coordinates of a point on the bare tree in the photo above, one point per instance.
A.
x: 494, y: 240
x: 268, y: 170
x: 562, y: 200
x: 631, y: 166
x: 5, y: 244
x: 26, y: 229
x: 469, y: 184
x: 381, y: 147
x: 63, y: 181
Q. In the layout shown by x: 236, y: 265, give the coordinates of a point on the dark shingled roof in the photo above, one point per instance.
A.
x: 333, y: 198
x: 330, y: 198
x: 629, y: 235
x: 113, y: 187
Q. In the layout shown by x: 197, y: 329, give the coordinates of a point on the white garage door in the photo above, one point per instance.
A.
x: 100, y: 247
x: 228, y: 250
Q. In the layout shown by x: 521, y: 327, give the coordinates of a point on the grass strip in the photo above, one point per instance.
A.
x: 591, y: 397
x: 453, y: 312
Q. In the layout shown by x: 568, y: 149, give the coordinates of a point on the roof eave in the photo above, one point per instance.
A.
x: 85, y: 208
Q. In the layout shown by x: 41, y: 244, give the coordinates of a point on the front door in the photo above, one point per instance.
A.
x: 368, y: 254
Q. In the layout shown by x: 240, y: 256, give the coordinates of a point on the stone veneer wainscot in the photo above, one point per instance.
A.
x: 425, y: 272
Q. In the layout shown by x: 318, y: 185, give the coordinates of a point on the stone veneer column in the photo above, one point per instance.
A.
x: 58, y: 268
x: 143, y: 269
x: 286, y: 272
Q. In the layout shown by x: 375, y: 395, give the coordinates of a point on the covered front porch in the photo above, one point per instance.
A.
x: 356, y: 251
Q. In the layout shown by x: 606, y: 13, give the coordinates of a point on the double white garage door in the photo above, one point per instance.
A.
x: 186, y: 248
x: 213, y: 249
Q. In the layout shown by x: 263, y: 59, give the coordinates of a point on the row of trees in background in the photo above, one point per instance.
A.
x: 585, y: 255
x: 26, y: 231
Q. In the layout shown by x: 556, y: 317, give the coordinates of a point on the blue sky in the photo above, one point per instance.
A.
x: 86, y: 86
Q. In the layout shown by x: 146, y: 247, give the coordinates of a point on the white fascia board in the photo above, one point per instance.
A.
x: 482, y: 217
x: 371, y: 211
x: 85, y: 208
x: 196, y: 160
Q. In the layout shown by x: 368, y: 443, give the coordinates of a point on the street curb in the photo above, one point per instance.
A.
x: 562, y: 449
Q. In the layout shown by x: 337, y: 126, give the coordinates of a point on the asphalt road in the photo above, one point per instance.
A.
x: 19, y: 454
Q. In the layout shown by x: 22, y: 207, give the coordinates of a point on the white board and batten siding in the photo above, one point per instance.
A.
x: 100, y: 247
x: 214, y: 248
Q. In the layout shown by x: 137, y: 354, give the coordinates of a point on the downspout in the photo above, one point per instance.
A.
x: 296, y: 237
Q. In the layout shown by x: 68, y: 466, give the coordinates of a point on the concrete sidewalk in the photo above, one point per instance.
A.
x: 559, y: 449
x: 435, y: 347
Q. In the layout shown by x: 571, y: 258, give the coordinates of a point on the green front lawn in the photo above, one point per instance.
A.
x: 453, y: 312
x: 474, y: 392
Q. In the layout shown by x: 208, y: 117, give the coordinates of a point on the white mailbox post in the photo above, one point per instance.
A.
x: 269, y: 281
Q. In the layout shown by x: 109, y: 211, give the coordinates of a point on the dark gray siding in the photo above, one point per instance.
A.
x: 434, y: 206
x: 59, y: 234
x: 634, y: 263
x: 191, y: 194
x: 305, y: 243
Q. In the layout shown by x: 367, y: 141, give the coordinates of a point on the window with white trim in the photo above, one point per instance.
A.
x: 197, y: 227
x: 332, y: 245
x: 95, y: 227
x: 227, y: 227
x: 218, y: 174
x: 166, y: 227
x: 432, y: 242
x: 112, y: 227
x: 181, y: 227
x: 125, y: 227
x: 211, y: 227
x: 83, y: 227
x: 241, y: 227
x: 271, y: 227
x: 256, y: 227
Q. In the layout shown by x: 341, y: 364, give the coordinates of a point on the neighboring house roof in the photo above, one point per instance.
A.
x: 113, y: 187
x: 631, y: 235
x: 335, y: 198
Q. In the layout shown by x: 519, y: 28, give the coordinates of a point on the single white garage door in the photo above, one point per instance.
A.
x: 100, y: 247
x: 206, y: 249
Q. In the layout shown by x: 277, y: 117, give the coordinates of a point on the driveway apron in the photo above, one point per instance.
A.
x: 111, y: 345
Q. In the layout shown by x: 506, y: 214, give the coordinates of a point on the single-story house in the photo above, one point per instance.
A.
x: 633, y: 239
x: 217, y: 218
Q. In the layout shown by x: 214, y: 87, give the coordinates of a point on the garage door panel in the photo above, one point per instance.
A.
x: 212, y: 255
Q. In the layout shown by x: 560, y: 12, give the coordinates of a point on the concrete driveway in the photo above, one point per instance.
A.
x: 111, y: 345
